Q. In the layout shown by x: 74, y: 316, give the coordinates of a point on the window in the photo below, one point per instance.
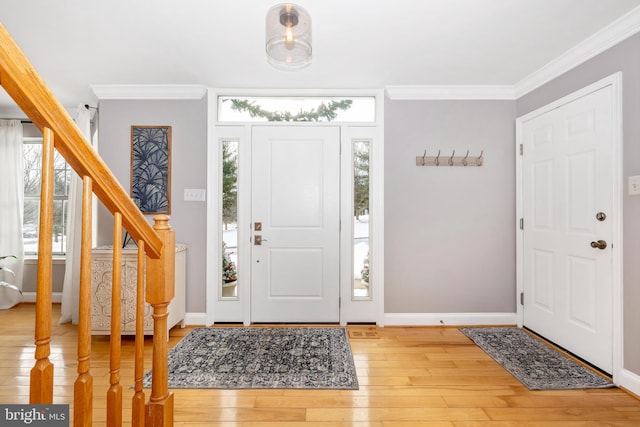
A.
x: 32, y: 181
x: 361, y: 224
x: 229, y: 171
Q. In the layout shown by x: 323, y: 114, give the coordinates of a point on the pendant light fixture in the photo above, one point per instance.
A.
x: 288, y: 37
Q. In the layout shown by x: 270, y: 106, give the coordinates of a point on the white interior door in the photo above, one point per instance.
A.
x: 567, y: 203
x: 295, y: 224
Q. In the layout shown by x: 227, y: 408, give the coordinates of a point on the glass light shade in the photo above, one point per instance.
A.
x: 288, y: 37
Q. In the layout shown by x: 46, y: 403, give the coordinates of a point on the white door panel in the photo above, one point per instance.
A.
x: 567, y: 177
x: 295, y: 198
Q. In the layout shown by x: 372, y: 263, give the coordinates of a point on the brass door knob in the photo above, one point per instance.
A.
x: 600, y: 244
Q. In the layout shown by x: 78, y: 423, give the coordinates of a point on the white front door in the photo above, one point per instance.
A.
x: 567, y: 205
x: 295, y: 239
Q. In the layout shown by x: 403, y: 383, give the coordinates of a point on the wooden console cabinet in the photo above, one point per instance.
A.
x: 101, y: 272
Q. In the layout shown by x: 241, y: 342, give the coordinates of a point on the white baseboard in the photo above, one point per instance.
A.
x: 31, y: 297
x: 193, y: 319
x: 415, y: 319
x: 630, y: 381
x: 449, y: 319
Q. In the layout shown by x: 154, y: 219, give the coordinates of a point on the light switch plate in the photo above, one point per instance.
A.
x: 194, y: 194
x: 634, y: 185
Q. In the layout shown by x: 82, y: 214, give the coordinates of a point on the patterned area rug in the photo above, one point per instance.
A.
x: 235, y: 358
x: 532, y: 362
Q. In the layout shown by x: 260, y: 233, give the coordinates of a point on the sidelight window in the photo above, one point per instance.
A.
x: 229, y: 207
x: 362, y: 278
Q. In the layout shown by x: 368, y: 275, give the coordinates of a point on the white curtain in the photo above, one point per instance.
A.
x: 11, y: 201
x: 71, y: 284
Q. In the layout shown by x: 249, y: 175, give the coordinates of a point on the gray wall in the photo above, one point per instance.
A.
x: 188, y: 121
x: 30, y: 279
x: 623, y: 57
x: 449, y: 231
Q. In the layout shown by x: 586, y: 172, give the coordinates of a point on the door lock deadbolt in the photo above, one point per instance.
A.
x: 601, y: 216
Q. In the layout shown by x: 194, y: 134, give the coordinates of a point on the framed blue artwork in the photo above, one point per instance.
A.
x: 151, y: 168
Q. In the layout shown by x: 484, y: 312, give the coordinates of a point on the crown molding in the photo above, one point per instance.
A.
x: 446, y: 92
x: 148, y: 92
x: 618, y: 31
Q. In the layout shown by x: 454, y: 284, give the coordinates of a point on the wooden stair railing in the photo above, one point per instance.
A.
x: 156, y: 245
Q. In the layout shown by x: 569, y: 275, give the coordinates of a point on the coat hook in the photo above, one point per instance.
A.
x: 438, y: 159
x: 424, y: 157
x: 479, y: 159
x: 464, y: 160
x: 451, y: 158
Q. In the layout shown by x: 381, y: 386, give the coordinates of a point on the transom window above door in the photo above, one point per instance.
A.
x: 296, y: 109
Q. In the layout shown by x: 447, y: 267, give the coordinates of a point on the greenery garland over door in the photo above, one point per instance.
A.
x: 324, y: 112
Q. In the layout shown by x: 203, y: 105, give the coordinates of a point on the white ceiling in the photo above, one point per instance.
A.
x: 356, y: 43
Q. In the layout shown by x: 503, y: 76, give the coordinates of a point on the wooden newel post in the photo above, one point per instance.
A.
x: 160, y: 291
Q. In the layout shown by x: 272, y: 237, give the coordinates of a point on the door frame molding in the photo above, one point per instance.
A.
x: 351, y: 310
x: 615, y: 81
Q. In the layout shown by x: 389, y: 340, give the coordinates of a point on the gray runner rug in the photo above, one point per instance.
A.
x: 534, y: 363
x: 239, y: 358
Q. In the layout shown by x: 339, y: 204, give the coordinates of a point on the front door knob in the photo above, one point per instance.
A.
x: 600, y: 244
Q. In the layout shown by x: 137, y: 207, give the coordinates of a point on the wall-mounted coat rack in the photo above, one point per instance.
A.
x: 452, y: 160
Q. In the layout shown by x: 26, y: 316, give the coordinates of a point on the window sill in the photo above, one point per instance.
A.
x: 33, y: 260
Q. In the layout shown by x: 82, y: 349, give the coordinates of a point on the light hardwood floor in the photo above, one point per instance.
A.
x: 414, y: 376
